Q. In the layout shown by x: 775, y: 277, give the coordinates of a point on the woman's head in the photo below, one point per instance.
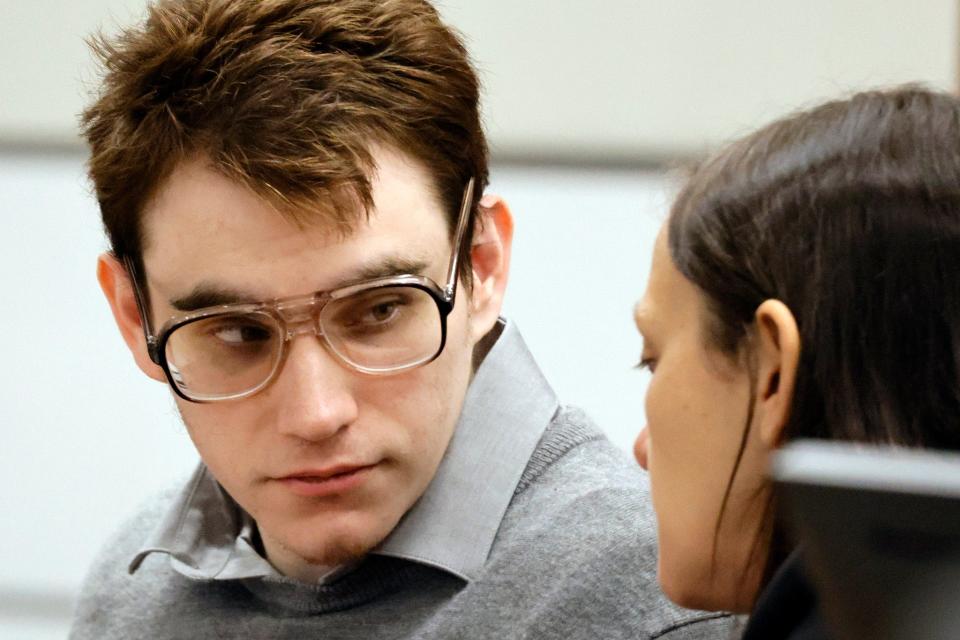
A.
x: 811, y: 271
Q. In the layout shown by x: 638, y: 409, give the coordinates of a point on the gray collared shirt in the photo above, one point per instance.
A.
x: 452, y: 526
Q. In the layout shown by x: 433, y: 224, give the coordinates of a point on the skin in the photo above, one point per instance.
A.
x: 203, y: 228
x: 697, y: 408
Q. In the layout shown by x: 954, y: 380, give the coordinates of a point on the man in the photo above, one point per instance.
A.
x: 292, y: 190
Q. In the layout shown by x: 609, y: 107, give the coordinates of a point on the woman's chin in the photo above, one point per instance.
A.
x: 696, y: 590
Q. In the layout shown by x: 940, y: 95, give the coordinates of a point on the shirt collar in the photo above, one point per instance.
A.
x: 454, y: 523
x: 508, y: 405
x: 200, y: 534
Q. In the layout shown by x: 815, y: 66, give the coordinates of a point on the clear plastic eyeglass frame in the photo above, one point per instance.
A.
x: 299, y: 315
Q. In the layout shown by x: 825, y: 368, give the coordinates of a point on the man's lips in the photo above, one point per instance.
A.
x: 328, y: 480
x: 326, y: 473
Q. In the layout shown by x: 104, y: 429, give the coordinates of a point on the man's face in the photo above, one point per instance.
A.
x: 272, y: 450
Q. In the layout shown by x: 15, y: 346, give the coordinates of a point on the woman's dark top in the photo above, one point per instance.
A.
x: 787, y: 608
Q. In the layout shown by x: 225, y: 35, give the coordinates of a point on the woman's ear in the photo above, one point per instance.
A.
x: 117, y: 288
x: 778, y: 355
x: 490, y: 255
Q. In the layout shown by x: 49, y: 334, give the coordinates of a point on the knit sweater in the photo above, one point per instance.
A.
x: 574, y: 557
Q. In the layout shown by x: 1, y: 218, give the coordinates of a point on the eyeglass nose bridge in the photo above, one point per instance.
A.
x: 302, y: 327
x: 301, y: 316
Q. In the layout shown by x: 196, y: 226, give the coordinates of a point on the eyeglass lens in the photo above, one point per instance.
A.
x: 375, y: 330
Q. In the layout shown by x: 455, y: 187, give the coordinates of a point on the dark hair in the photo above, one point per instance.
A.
x: 285, y: 97
x: 849, y: 214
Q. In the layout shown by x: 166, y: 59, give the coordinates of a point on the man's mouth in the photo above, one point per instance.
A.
x: 327, y: 481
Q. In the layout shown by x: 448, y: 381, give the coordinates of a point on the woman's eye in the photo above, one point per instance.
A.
x: 650, y: 364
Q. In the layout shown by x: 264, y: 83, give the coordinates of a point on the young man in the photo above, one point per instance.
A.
x: 292, y: 190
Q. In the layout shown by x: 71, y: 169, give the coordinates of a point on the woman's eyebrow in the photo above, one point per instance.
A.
x: 641, y: 316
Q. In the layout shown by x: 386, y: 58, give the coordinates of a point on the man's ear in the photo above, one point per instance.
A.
x: 490, y: 255
x: 778, y: 355
x: 115, y: 283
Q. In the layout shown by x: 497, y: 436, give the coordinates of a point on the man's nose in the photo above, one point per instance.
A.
x: 641, y: 448
x: 314, y: 392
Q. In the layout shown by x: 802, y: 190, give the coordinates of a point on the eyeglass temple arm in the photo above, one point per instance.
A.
x: 464, y: 219
x: 142, y: 310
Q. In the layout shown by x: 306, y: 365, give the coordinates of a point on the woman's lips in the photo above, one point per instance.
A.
x: 326, y: 482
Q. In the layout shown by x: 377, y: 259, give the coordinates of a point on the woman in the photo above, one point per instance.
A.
x: 806, y: 285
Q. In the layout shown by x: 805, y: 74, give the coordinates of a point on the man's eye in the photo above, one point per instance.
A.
x: 241, y: 333
x: 381, y: 312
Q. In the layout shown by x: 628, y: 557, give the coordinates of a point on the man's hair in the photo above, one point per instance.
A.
x: 286, y: 97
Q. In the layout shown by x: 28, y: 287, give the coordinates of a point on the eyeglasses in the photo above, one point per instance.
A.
x: 381, y: 326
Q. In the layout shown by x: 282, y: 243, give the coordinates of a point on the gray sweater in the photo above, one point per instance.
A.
x: 575, y: 557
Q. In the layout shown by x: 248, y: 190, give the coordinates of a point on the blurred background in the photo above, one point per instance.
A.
x: 590, y: 108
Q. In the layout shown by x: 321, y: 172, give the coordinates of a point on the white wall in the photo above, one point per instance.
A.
x: 610, y: 79
x: 86, y: 436
x: 626, y: 78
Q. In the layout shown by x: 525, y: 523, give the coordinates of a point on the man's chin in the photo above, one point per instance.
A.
x: 338, y: 552
x: 330, y: 551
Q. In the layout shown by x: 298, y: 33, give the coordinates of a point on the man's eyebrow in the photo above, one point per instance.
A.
x: 209, y: 295
x: 389, y: 266
x: 206, y: 294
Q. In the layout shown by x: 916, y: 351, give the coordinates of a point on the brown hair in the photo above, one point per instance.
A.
x: 849, y: 214
x: 285, y: 97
